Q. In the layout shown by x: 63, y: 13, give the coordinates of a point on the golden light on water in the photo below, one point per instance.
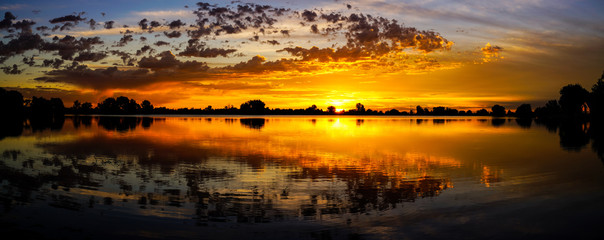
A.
x: 329, y: 170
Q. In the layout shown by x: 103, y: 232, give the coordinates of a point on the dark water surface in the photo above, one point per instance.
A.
x: 301, y: 178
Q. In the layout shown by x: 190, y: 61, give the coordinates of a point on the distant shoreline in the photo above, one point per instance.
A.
x: 282, y: 115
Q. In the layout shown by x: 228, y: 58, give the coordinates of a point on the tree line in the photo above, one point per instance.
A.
x: 574, y: 102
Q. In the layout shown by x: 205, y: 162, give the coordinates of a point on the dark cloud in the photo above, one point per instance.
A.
x: 42, y: 28
x: 24, y: 26
x: 162, y: 68
x: 7, y: 22
x: 314, y: 53
x: 125, y: 40
x: 197, y: 49
x: 366, y: 31
x: 144, y: 49
x: 214, y: 20
x: 109, y: 24
x: 111, y: 77
x: 127, y: 58
x: 66, y: 26
x: 228, y: 85
x: 92, y: 24
x: 90, y: 56
x: 23, y: 43
x: 154, y: 24
x: 309, y: 16
x: 167, y: 60
x: 12, y: 70
x: 272, y: 42
x: 258, y: 64
x: 68, y: 18
x: 333, y: 17
x: 144, y: 24
x: 176, y: 24
x: 161, y: 43
x: 29, y: 61
x: 314, y: 28
x: 207, y: 52
x: 173, y: 34
x: 148, y: 26
x: 369, y: 37
x: 69, y: 46
x: 54, y: 63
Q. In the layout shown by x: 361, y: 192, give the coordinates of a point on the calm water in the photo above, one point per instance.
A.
x: 301, y: 178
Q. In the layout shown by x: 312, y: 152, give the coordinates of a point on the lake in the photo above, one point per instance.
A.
x: 301, y: 177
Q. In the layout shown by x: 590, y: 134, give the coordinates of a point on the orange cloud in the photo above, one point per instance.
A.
x: 491, y: 53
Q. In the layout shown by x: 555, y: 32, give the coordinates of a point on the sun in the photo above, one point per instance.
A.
x: 338, y: 104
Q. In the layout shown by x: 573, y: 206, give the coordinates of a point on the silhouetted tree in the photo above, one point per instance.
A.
x: 573, y: 100
x: 146, y: 107
x: 360, y: 107
x: 524, y: 111
x: 482, y: 112
x: 313, y: 110
x: 41, y: 107
x: 86, y: 108
x: 419, y: 110
x: 76, y: 106
x: 498, y: 111
x: 550, y: 110
x: 11, y: 103
x: 11, y: 109
x: 392, y: 112
x: 253, y: 107
x: 120, y: 105
x: 123, y: 104
x: 108, y: 106
x: 57, y: 106
x: 597, y: 99
x: 438, y: 111
x: 331, y: 109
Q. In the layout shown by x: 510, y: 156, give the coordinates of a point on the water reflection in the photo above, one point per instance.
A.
x: 212, y: 170
x: 254, y: 123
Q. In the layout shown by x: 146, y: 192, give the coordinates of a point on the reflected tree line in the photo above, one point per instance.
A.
x: 66, y: 170
x: 92, y: 162
x: 574, y: 133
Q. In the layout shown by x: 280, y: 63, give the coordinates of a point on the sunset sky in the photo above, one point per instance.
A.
x: 292, y: 54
